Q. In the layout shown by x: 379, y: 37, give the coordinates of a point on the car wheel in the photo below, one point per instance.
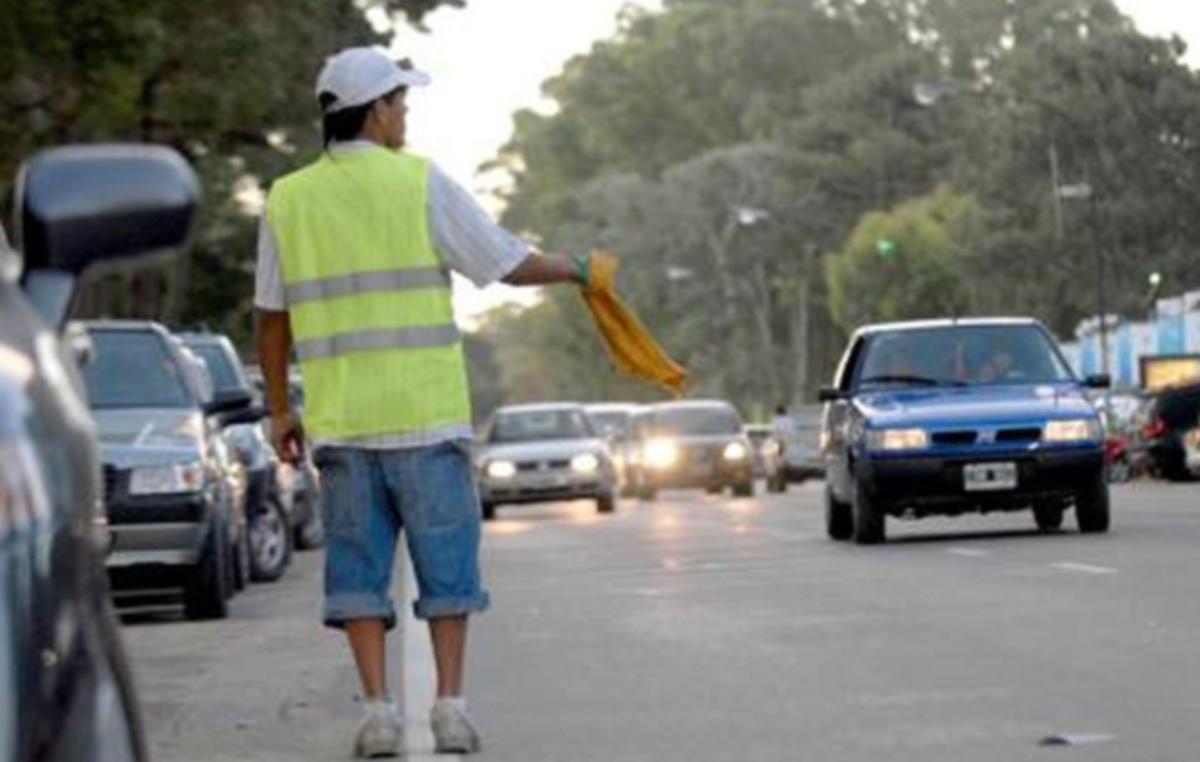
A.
x: 1048, y: 515
x: 270, y: 543
x: 489, y: 511
x: 240, y: 555
x: 744, y: 489
x: 606, y: 503
x: 713, y: 489
x: 870, y: 522
x: 1092, y: 508
x: 647, y: 493
x: 839, y: 517
x: 777, y: 484
x: 206, y: 595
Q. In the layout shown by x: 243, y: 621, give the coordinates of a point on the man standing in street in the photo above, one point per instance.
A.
x: 355, y: 255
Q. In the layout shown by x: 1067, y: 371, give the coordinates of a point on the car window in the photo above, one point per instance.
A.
x: 962, y: 355
x: 134, y: 369
x: 540, y: 425
x: 220, y: 366
x: 695, y: 421
x: 612, y: 424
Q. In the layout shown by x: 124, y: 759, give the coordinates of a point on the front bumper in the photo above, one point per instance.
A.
x: 717, y: 472
x: 935, y: 485
x: 546, y: 487
x: 161, y: 530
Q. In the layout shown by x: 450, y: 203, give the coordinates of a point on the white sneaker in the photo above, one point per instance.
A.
x: 453, y: 731
x: 381, y: 732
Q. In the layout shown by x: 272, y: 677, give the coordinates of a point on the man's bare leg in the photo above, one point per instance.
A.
x: 367, y: 639
x: 449, y: 635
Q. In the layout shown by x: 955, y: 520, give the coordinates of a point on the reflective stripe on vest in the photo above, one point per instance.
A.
x: 368, y: 297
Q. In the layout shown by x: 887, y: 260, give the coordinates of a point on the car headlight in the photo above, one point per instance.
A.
x: 661, y: 453
x: 734, y: 451
x: 167, y: 480
x: 1076, y: 430
x: 501, y: 469
x: 896, y: 440
x: 585, y: 464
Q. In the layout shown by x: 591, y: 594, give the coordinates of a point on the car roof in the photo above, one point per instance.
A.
x: 690, y: 405
x: 124, y: 325
x: 539, y: 407
x: 612, y: 407
x: 925, y: 325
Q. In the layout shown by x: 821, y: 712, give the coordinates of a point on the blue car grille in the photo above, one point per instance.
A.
x: 963, y: 437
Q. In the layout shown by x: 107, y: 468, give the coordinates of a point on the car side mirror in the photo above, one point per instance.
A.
x: 1098, y: 381
x: 831, y: 394
x: 229, y: 403
x: 83, y: 205
x: 247, y: 415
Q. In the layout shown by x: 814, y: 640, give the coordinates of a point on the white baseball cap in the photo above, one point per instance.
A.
x: 357, y: 76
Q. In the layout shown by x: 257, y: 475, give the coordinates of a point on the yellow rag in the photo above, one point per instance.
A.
x: 629, y: 344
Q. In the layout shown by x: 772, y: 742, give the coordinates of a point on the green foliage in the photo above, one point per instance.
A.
x: 925, y: 275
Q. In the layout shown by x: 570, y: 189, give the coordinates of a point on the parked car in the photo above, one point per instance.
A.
x: 1165, y: 418
x: 946, y: 417
x: 698, y: 444
x: 545, y: 453
x: 175, y: 493
x: 66, y: 692
x: 614, y: 422
x: 796, y: 456
x: 270, y: 524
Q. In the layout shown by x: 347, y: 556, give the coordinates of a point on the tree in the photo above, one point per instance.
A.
x: 906, y: 263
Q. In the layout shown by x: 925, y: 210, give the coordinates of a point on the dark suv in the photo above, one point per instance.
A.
x: 65, y: 688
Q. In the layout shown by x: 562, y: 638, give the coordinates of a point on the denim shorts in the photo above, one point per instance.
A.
x: 367, y: 498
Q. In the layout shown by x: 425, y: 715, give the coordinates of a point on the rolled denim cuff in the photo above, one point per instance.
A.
x: 437, y: 608
x: 350, y: 607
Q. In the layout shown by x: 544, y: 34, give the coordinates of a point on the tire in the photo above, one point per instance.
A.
x: 206, y: 594
x: 870, y: 522
x: 606, y: 504
x: 744, y: 489
x: 270, y: 543
x: 647, y: 493
x: 777, y: 484
x: 1049, y: 516
x: 240, y: 555
x: 489, y: 511
x: 839, y: 517
x: 713, y: 489
x: 1092, y: 512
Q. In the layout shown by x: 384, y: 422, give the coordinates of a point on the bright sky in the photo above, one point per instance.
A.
x: 490, y: 59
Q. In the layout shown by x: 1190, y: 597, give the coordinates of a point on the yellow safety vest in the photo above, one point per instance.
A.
x: 369, y: 298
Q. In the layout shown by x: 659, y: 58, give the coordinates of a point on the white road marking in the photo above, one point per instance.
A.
x: 1085, y: 568
x: 969, y: 552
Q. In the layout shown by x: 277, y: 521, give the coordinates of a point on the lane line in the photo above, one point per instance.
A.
x: 969, y: 552
x: 1085, y: 568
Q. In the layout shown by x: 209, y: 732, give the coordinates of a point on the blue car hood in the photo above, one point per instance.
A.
x: 972, y: 406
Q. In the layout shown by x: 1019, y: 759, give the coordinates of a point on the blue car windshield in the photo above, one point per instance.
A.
x: 968, y: 355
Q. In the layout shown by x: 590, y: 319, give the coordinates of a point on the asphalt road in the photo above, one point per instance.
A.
x: 701, y: 628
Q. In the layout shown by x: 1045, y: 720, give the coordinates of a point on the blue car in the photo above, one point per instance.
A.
x: 942, y: 418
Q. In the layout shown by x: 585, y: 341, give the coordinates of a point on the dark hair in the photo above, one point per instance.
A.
x: 347, y: 124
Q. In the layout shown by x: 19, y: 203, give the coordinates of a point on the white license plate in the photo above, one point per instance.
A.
x: 990, y: 477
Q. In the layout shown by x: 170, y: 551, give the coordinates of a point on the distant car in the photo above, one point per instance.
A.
x: 66, y: 691
x: 614, y: 422
x: 173, y: 490
x: 1166, y: 417
x: 796, y: 454
x: 693, y: 445
x: 545, y: 453
x: 946, y: 417
x: 268, y: 514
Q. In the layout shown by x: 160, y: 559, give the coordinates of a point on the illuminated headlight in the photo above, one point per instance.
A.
x: 661, y: 454
x: 734, y: 451
x: 585, y: 464
x: 501, y: 469
x: 895, y: 440
x: 167, y: 480
x: 1079, y: 430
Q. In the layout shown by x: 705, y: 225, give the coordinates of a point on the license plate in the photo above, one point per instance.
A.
x: 990, y: 477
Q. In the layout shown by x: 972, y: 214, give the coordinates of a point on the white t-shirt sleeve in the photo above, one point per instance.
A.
x: 470, y: 242
x: 268, y: 281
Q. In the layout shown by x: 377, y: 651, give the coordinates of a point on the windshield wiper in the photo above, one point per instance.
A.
x: 911, y: 380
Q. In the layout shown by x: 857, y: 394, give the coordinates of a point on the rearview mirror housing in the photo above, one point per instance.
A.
x: 831, y: 394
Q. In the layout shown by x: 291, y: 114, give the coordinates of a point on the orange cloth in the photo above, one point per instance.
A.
x: 629, y: 344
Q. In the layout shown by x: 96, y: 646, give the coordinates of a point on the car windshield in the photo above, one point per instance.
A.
x: 540, y: 426
x: 962, y: 356
x: 220, y: 367
x: 695, y: 421
x: 134, y: 369
x: 614, y: 424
